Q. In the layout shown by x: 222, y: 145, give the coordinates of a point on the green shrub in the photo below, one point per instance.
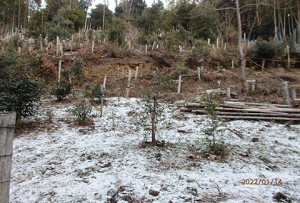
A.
x: 214, y: 134
x: 266, y: 51
x: 116, y: 31
x: 77, y: 69
x: 62, y: 90
x: 82, y: 111
x: 95, y: 91
x: 20, y: 95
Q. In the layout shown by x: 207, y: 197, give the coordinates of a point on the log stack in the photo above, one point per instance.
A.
x: 248, y: 111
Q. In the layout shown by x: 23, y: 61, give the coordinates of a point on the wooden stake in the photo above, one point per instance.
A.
x: 136, y: 73
x: 263, y: 64
x: 293, y: 94
x: 128, y: 84
x: 199, y: 73
x: 146, y: 49
x: 285, y: 91
x: 57, y: 45
x: 61, y: 49
x: 93, y: 46
x: 59, y: 70
x: 104, y: 82
x: 217, y: 43
x: 232, y: 64
x: 179, y: 84
x: 41, y: 45
x: 7, y: 124
x: 289, y: 57
x: 228, y: 93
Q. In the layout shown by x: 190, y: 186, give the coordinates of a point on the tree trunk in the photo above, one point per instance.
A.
x: 242, y: 55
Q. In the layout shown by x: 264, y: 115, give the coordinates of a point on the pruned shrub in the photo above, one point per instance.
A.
x: 95, y: 91
x: 82, y: 111
x: 21, y: 95
x: 77, y: 69
x: 62, y: 90
x: 214, y: 134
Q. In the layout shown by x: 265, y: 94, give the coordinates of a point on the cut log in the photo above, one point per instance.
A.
x: 258, y: 118
x: 248, y: 114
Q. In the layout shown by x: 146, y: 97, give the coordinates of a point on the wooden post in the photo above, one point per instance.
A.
x: 136, y: 72
x: 41, y: 45
x: 93, y: 46
x: 289, y: 57
x: 57, y: 45
x: 146, y: 49
x: 293, y: 94
x: 228, y: 93
x: 232, y: 64
x: 61, y: 49
x: 102, y: 99
x: 179, y: 84
x: 153, y: 45
x: 199, y: 73
x: 59, y: 70
x: 285, y: 91
x: 263, y: 64
x: 7, y: 124
x: 104, y: 82
x: 208, y: 41
x: 217, y: 43
x: 128, y: 84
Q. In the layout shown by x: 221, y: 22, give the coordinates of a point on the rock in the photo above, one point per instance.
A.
x: 279, y: 197
x: 183, y: 131
x: 153, y: 192
x: 255, y: 139
x: 112, y: 192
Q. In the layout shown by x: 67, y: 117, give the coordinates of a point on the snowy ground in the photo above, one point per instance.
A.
x: 69, y: 163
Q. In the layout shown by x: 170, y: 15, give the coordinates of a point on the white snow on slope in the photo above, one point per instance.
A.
x: 69, y: 163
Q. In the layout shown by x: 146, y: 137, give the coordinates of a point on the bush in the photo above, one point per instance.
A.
x: 266, y: 50
x: 20, y: 95
x: 82, y: 111
x: 62, y: 90
x: 116, y: 31
x: 77, y: 68
x: 95, y: 91
x: 215, y: 139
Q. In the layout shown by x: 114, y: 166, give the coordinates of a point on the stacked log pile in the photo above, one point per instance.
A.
x: 248, y: 111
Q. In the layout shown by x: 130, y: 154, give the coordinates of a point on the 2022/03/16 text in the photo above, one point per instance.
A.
x: 262, y: 181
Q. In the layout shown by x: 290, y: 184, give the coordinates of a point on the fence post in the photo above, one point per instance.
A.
x: 179, y: 85
x: 128, y: 84
x: 199, y: 74
x: 136, y: 73
x: 7, y: 124
x: 286, y: 95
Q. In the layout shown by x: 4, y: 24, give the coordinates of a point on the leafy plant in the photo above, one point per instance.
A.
x: 62, y: 90
x: 152, y: 110
x: 82, y: 111
x: 20, y: 95
x: 77, y: 68
x: 95, y: 91
x: 215, y: 135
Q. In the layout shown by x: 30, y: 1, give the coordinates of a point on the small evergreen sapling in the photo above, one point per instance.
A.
x: 215, y: 135
x: 20, y: 95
